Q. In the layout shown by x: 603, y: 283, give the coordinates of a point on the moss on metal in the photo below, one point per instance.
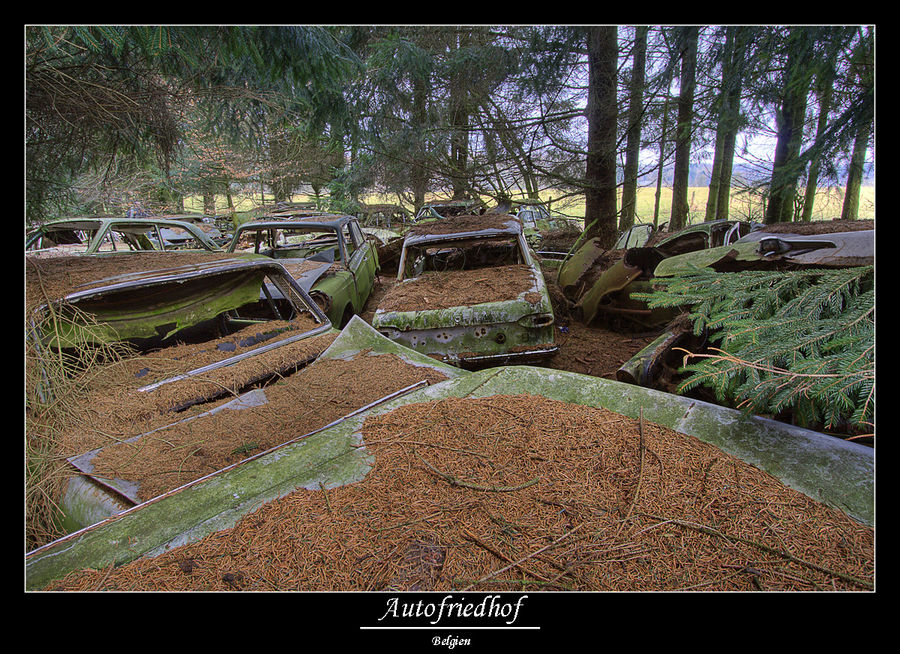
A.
x: 827, y: 469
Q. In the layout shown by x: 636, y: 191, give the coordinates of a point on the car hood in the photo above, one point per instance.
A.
x: 533, y: 300
x: 762, y: 249
x: 151, y: 302
x: 833, y: 471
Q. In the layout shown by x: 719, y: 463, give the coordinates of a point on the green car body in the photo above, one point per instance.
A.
x: 764, y: 250
x: 111, y: 234
x: 218, y: 306
x: 836, y: 472
x: 516, y: 328
x: 441, y: 209
x: 611, y: 294
x: 328, y: 255
x: 145, y: 303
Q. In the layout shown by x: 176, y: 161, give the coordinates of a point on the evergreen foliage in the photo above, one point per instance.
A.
x: 800, y: 341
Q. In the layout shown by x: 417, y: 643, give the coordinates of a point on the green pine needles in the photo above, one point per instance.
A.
x: 799, y: 341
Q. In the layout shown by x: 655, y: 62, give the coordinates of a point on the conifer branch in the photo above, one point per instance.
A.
x: 800, y: 340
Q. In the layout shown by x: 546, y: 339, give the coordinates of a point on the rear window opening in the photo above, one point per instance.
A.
x: 194, y: 322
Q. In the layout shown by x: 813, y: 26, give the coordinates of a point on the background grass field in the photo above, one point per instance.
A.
x: 743, y: 206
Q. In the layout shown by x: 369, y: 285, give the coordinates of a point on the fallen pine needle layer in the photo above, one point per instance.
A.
x: 454, y: 288
x: 55, y: 277
x: 520, y: 492
x: 308, y: 400
x: 111, y: 409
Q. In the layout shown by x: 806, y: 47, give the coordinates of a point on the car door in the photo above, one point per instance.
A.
x: 363, y: 263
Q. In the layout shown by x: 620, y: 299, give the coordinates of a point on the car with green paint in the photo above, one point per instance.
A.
x: 787, y: 246
x: 440, y: 209
x: 469, y: 292
x: 636, y: 236
x: 149, y: 301
x: 600, y: 282
x: 833, y: 471
x: 329, y: 256
x: 217, y: 228
x: 103, y: 235
x: 550, y: 235
x: 780, y: 247
x: 155, y: 339
x: 385, y: 225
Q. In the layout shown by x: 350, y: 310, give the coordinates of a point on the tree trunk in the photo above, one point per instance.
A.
x: 715, y: 178
x: 723, y: 203
x: 633, y: 141
x: 680, y: 181
x: 865, y: 70
x: 733, y: 124
x: 459, y: 131
x: 785, y: 172
x: 812, y: 176
x: 600, y: 167
x: 209, y: 203
x: 850, y: 210
x: 419, y: 174
x: 662, y: 150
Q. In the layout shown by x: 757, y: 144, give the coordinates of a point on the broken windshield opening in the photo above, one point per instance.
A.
x: 464, y: 254
x: 293, y: 243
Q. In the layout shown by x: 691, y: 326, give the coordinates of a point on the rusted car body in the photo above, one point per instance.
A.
x: 763, y: 249
x: 385, y: 216
x: 757, y: 250
x: 447, y: 209
x: 609, y: 293
x: 551, y: 236
x: 832, y: 471
x: 104, y: 235
x: 196, y: 335
x: 151, y: 301
x: 217, y: 228
x: 328, y: 255
x: 476, y: 326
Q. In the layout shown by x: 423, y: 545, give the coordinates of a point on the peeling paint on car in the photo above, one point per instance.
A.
x: 517, y: 328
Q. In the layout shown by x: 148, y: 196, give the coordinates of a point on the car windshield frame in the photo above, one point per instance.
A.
x: 265, y: 231
x: 512, y: 231
x: 132, y: 234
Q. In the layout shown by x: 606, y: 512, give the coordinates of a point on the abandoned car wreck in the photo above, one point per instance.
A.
x: 348, y: 505
x: 204, y: 358
x: 328, y: 255
x: 470, y: 292
x: 233, y: 410
x: 87, y: 236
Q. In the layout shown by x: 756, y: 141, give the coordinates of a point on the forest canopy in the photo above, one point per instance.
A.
x: 153, y: 114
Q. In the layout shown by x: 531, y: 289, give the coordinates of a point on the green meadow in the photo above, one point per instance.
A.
x: 744, y: 206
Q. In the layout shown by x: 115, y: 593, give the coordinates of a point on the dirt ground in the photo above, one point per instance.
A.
x: 520, y: 493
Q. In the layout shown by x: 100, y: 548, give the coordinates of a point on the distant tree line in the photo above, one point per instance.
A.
x: 116, y: 114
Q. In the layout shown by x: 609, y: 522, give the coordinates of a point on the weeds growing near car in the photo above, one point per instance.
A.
x: 55, y: 383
